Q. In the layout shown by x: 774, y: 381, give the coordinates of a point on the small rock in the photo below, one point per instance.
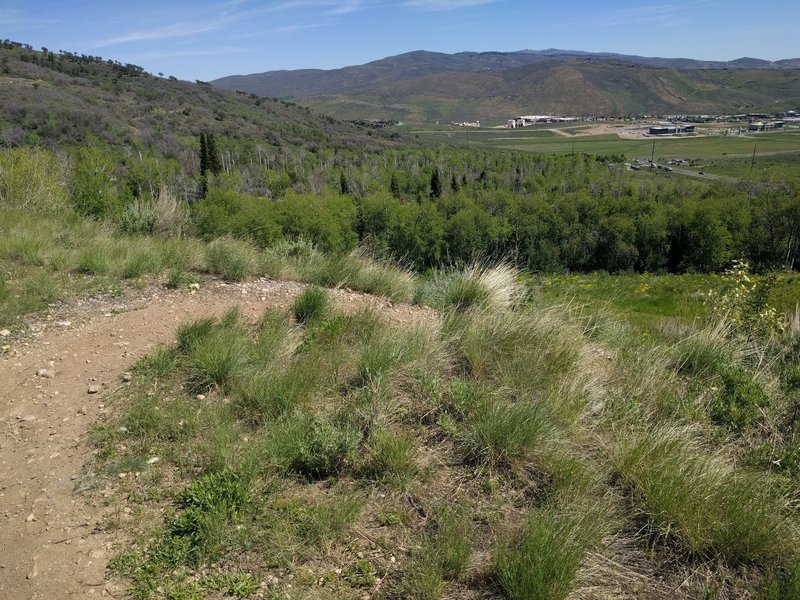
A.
x: 64, y: 323
x: 153, y: 460
x: 127, y: 377
x: 4, y: 333
x: 30, y: 518
x: 194, y: 286
x: 93, y: 389
x: 46, y: 373
x: 200, y: 397
x: 82, y: 410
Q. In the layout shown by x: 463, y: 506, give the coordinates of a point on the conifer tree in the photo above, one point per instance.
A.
x: 454, y: 184
x: 436, y: 184
x: 344, y: 187
x: 214, y: 164
x: 394, y: 187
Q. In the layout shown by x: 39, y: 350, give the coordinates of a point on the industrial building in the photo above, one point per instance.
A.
x: 670, y: 129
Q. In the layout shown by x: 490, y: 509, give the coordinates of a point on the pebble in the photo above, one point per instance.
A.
x: 93, y: 389
x: 200, y: 397
x: 30, y: 518
x: 4, y: 333
x: 127, y: 377
x: 46, y: 373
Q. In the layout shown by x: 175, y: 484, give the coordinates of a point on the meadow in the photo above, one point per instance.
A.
x: 723, y: 155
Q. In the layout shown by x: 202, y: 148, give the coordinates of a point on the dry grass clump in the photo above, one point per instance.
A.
x: 494, y: 287
x: 694, y: 497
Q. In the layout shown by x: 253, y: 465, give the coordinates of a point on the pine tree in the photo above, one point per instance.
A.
x: 394, y: 187
x: 214, y: 164
x: 344, y: 187
x: 454, y: 184
x: 436, y: 184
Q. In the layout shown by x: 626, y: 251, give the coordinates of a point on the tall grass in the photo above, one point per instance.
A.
x: 477, y: 286
x: 699, y: 500
x: 541, y: 564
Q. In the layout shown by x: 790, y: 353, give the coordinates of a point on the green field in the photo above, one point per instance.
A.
x: 722, y: 154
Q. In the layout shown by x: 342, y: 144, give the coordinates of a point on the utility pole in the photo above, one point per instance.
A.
x: 653, y: 153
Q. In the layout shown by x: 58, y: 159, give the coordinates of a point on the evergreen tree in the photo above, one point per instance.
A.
x: 394, y: 187
x: 344, y: 187
x: 436, y: 184
x: 454, y: 184
x: 214, y: 164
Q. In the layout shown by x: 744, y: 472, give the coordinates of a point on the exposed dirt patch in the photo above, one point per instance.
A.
x: 54, y: 542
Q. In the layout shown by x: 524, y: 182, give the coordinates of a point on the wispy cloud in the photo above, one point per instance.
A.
x: 665, y: 14
x: 188, y: 53
x: 176, y: 30
x: 326, y: 7
x: 434, y: 5
x: 290, y: 28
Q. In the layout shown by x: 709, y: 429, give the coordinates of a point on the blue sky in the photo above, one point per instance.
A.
x: 206, y: 39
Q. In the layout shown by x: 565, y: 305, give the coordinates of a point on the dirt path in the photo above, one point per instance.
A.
x: 55, y: 543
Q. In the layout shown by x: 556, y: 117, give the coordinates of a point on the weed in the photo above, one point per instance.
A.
x: 313, y: 446
x: 740, y: 400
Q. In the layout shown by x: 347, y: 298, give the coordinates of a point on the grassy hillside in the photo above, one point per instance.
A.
x: 508, y: 448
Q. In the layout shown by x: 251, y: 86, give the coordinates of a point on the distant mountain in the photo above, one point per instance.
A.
x: 427, y: 86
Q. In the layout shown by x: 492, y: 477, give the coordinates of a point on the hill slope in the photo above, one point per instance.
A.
x: 427, y: 86
x: 67, y: 99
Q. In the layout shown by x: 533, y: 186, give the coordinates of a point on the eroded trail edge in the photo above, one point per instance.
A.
x: 55, y: 542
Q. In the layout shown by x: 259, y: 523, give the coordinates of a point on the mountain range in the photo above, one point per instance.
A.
x: 431, y: 86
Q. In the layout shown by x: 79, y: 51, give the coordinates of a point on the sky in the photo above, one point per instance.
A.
x: 207, y: 39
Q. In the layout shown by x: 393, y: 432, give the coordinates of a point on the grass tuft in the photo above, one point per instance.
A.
x: 310, y: 305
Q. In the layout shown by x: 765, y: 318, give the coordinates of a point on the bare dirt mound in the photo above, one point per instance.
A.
x: 55, y: 542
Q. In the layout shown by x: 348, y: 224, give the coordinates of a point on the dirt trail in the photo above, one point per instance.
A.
x: 55, y: 543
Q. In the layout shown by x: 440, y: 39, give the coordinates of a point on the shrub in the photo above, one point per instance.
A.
x: 31, y: 179
x: 745, y: 302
